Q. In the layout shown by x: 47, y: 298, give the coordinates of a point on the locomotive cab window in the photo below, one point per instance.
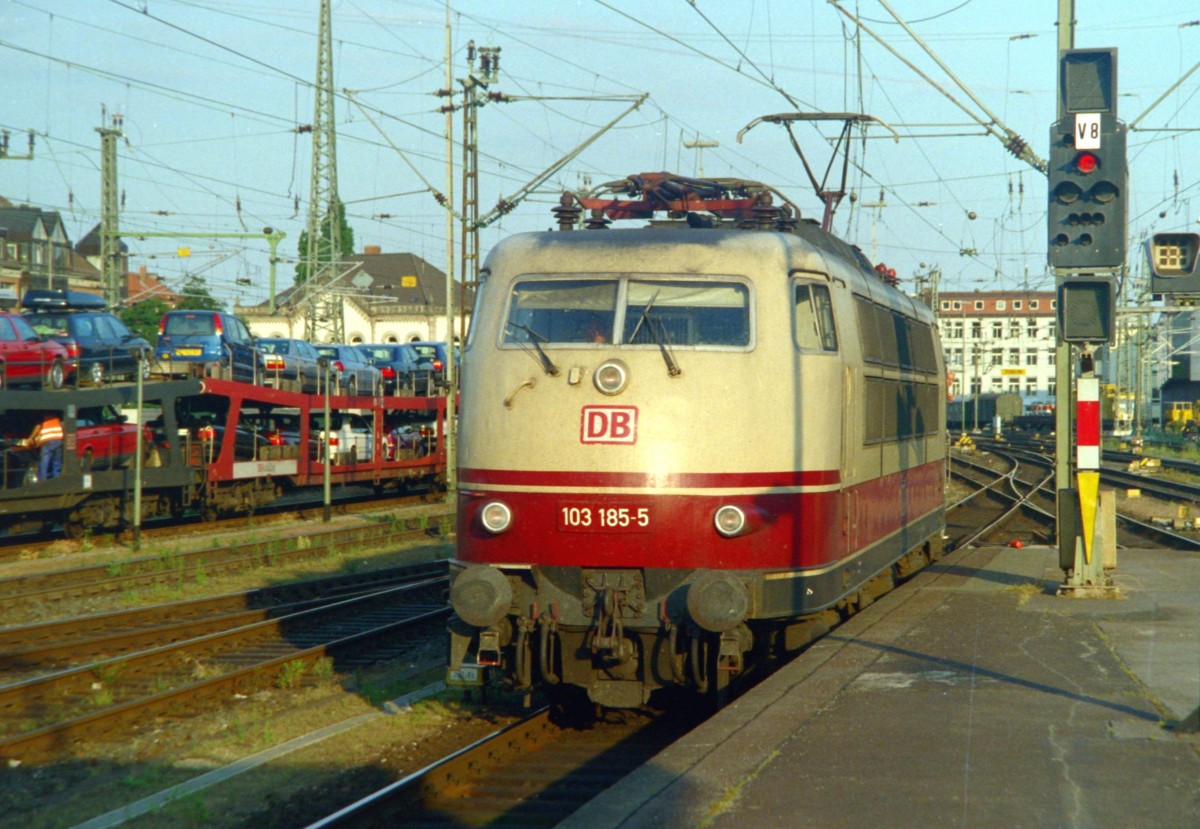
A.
x: 687, y: 313
x: 623, y: 310
x: 814, y: 317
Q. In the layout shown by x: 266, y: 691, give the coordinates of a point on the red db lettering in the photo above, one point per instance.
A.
x: 620, y: 427
x: 608, y: 424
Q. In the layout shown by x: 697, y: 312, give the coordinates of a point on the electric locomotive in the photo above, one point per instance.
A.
x: 685, y: 446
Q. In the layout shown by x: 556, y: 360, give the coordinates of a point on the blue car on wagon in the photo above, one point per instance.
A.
x: 206, y: 343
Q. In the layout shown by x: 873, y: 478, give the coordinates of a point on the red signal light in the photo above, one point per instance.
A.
x: 1087, y: 163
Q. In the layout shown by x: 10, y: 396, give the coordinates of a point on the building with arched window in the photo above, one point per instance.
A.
x: 386, y: 298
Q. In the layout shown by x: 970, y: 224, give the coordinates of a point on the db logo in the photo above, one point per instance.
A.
x: 608, y: 424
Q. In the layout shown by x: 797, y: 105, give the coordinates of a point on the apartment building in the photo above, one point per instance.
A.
x: 999, y: 341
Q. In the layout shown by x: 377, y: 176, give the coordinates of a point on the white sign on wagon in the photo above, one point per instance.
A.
x: 1087, y: 130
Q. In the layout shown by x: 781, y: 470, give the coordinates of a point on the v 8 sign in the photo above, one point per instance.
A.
x: 608, y: 424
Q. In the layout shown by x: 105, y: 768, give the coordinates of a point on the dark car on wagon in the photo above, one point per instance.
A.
x: 29, y: 359
x: 96, y: 339
x: 434, y: 353
x: 350, y: 371
x: 288, y: 360
x: 404, y: 371
x: 197, y: 343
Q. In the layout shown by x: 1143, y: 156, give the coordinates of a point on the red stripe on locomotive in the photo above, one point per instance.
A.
x: 800, y: 529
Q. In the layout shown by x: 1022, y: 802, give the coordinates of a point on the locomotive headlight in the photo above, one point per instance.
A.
x: 611, y: 377
x: 730, y: 520
x: 481, y: 595
x: 495, y: 516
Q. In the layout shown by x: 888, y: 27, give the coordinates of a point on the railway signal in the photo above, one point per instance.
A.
x: 1088, y: 169
x: 1088, y: 175
x: 1086, y: 243
x: 1173, y: 258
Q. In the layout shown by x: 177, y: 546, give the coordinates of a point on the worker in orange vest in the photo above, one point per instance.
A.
x: 47, y: 438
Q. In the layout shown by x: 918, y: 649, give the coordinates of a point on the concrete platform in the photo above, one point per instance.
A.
x: 971, y: 697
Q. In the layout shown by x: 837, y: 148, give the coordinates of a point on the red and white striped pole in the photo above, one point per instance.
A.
x: 1087, y: 457
x: 1087, y: 424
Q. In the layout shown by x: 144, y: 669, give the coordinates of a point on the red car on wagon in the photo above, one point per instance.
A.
x: 104, y: 439
x: 28, y: 359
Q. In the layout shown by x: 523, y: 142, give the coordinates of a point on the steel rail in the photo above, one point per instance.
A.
x: 64, y: 641
x: 535, y: 772
x: 46, y: 588
x: 54, y: 740
x: 22, y: 544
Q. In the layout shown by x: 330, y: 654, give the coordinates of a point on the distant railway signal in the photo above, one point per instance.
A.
x: 1173, y: 258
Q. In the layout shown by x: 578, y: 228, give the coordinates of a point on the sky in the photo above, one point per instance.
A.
x: 214, y: 97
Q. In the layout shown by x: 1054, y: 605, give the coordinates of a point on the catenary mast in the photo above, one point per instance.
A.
x: 323, y: 312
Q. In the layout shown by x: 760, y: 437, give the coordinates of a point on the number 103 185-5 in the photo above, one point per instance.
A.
x: 593, y: 518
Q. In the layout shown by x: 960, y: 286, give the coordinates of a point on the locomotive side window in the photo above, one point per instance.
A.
x: 904, y: 354
x: 899, y: 409
x: 814, y: 318
x: 892, y: 339
x: 872, y: 344
x: 924, y: 355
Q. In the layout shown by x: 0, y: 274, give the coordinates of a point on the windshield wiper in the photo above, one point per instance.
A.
x: 659, y: 332
x: 643, y: 318
x: 537, y: 339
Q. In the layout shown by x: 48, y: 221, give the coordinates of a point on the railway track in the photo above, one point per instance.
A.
x: 27, y: 545
x: 41, y: 590
x: 1132, y: 531
x: 532, y: 773
x: 31, y: 650
x: 47, y: 717
x: 1003, y: 499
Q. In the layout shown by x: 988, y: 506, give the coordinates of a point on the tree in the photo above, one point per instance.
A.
x: 302, y: 264
x: 143, y: 317
x: 196, y: 296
